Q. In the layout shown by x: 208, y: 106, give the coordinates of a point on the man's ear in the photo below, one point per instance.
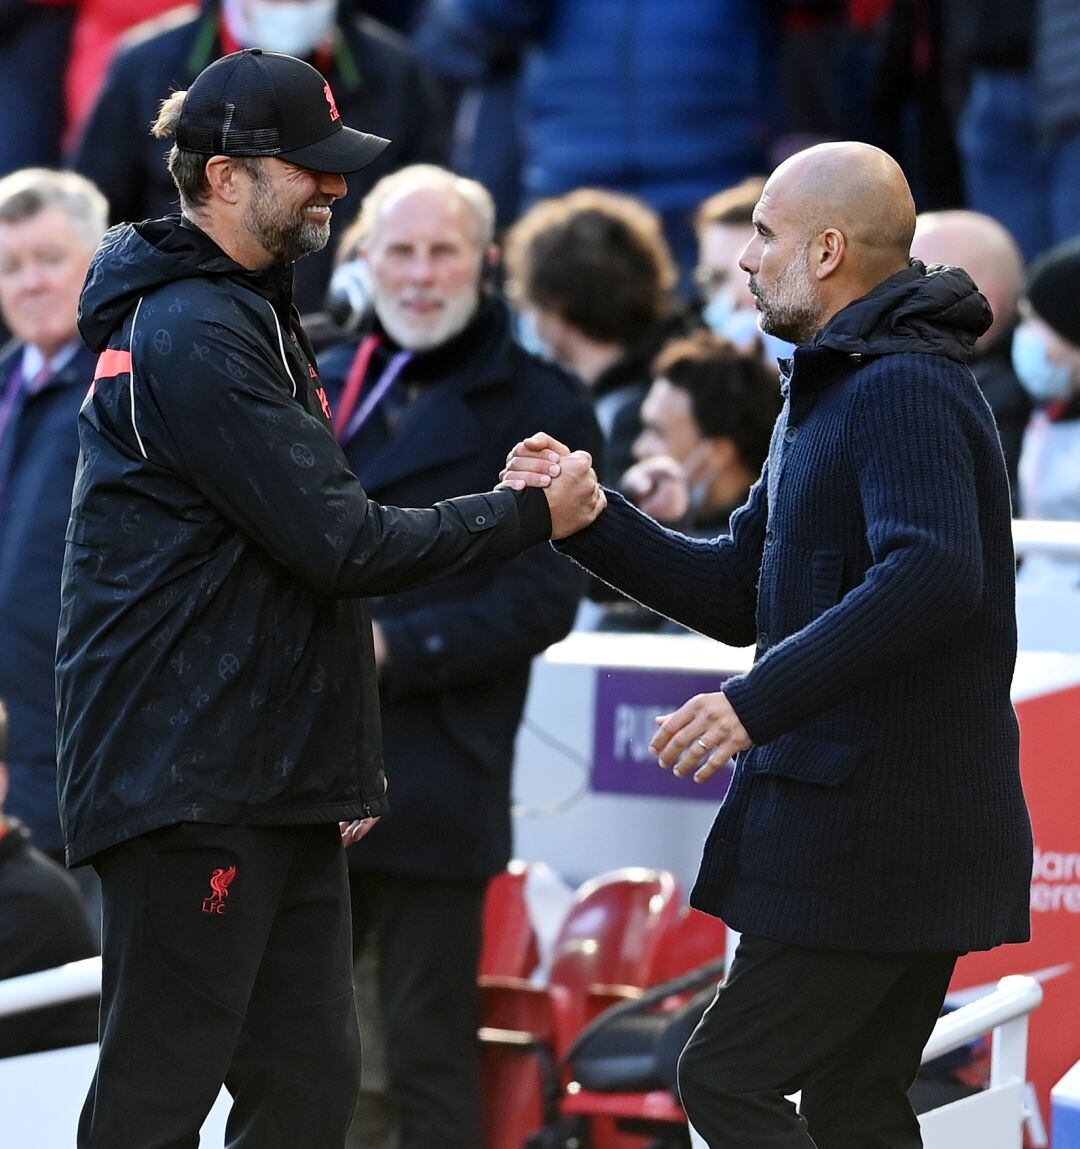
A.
x: 829, y: 249
x: 226, y: 178
x: 3, y: 785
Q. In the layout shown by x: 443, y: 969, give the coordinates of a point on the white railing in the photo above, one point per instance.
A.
x: 1047, y: 537
x: 50, y: 986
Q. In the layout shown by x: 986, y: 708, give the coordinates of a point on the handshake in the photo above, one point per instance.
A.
x: 574, y: 494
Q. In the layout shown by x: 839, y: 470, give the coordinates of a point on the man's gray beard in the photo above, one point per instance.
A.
x: 404, y: 336
x: 284, y: 238
x: 798, y: 318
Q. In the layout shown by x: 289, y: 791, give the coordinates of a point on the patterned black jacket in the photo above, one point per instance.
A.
x: 214, y: 662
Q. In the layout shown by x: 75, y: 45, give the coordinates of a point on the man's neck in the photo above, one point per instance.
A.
x: 234, y: 241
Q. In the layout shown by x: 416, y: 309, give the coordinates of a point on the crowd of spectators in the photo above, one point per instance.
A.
x: 615, y: 153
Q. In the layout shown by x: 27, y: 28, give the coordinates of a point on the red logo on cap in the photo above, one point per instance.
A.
x: 334, y: 113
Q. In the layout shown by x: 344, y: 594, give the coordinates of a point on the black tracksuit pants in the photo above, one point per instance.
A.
x: 846, y: 1028
x: 226, y: 958
x: 427, y: 934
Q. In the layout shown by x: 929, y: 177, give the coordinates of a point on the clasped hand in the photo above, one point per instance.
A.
x: 567, y: 478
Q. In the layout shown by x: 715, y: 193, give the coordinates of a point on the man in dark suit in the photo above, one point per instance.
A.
x: 42, y: 926
x: 50, y: 223
x: 375, y: 80
x: 425, y: 400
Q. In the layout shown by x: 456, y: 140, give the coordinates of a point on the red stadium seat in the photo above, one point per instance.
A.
x: 509, y: 945
x: 605, y: 950
x: 692, y: 940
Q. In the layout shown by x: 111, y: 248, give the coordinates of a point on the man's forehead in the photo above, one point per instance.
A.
x: 424, y: 211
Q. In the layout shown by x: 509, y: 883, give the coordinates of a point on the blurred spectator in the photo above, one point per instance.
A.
x: 989, y: 46
x: 1057, y: 84
x: 99, y: 25
x: 707, y: 417
x: 42, y: 925
x: 427, y: 397
x: 1046, y: 353
x: 661, y: 99
x: 50, y: 224
x: 724, y: 225
x: 592, y: 277
x: 907, y: 98
x: 35, y: 37
x: 376, y: 82
x: 989, y: 254
x: 710, y: 410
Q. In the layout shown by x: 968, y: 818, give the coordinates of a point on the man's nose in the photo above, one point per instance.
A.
x: 330, y: 183
x: 748, y: 260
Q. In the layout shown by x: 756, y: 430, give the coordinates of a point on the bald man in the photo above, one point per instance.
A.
x: 988, y: 253
x: 875, y: 826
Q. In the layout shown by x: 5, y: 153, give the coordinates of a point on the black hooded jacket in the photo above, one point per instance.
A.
x: 214, y: 662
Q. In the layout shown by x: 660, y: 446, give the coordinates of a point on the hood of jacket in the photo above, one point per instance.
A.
x: 136, y: 259
x: 931, y: 310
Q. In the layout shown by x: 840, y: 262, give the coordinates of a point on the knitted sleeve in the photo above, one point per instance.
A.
x: 915, y: 477
x: 709, y: 585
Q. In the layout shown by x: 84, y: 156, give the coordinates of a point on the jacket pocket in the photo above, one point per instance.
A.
x: 827, y: 579
x: 799, y: 819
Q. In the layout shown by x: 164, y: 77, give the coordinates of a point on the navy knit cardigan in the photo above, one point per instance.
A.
x: 880, y: 807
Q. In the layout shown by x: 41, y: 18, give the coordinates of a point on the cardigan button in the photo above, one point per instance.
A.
x: 763, y: 641
x: 791, y: 433
x: 770, y: 534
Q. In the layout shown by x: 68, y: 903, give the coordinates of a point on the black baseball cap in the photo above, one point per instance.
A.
x: 256, y: 103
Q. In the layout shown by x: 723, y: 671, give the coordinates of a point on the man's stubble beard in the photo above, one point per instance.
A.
x: 285, y: 235
x: 793, y: 311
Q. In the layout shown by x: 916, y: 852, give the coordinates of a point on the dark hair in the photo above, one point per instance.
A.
x: 732, y: 393
x: 597, y: 259
x: 733, y: 205
x: 188, y: 169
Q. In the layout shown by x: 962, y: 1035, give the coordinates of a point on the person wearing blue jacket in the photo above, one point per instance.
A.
x: 666, y: 100
x: 875, y: 827
x: 50, y: 223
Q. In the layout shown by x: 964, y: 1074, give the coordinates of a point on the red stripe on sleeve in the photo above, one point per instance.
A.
x: 112, y: 363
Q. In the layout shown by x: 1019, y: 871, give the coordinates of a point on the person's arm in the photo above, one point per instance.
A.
x: 709, y: 585
x: 231, y: 428
x: 916, y: 484
x: 525, y: 606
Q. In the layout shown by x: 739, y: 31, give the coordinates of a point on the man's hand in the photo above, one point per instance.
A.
x: 533, y: 462
x: 573, y: 491
x: 352, y: 832
x: 700, y: 736
x: 658, y: 485
x: 381, y: 650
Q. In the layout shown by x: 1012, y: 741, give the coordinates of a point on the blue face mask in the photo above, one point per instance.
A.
x: 717, y: 312
x: 741, y: 327
x: 1042, y: 380
x: 529, y: 337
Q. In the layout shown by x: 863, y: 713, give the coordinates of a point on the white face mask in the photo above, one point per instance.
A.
x: 294, y: 27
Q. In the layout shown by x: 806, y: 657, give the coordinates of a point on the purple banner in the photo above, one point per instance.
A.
x: 627, y: 703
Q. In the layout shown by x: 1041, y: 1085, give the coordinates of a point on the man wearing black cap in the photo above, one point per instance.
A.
x: 218, y: 708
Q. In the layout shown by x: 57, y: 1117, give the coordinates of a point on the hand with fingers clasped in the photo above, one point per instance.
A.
x: 574, y: 494
x: 701, y: 736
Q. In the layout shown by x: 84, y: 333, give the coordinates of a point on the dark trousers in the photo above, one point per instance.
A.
x: 226, y: 958
x: 427, y: 934
x: 848, y: 1029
